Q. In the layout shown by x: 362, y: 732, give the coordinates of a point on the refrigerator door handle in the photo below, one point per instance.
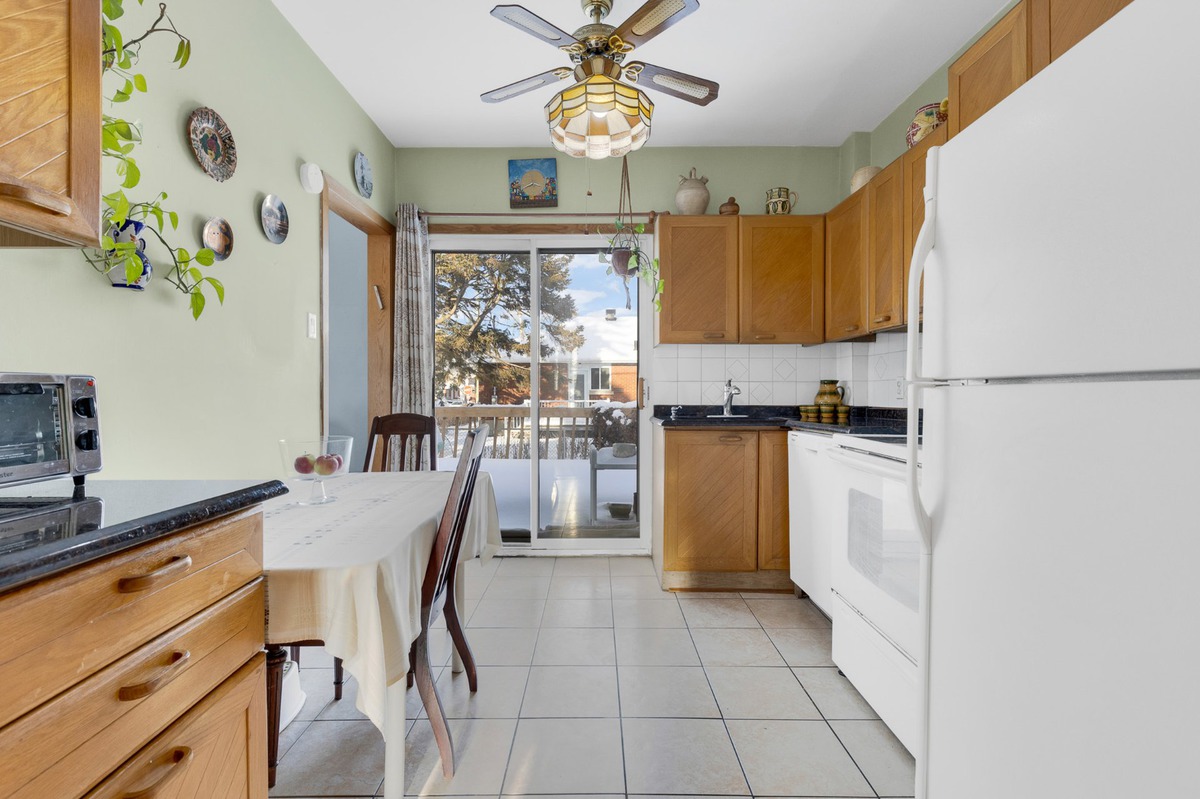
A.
x: 916, y: 382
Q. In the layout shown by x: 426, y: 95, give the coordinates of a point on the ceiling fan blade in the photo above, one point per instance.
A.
x: 652, y: 19
x: 523, y: 19
x: 527, y: 85
x: 668, y: 81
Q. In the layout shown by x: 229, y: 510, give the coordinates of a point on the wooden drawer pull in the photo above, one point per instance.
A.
x: 851, y: 328
x: 132, y: 693
x: 763, y: 336
x: 175, y: 566
x: 731, y: 439
x: 178, y: 762
x: 31, y: 195
x: 884, y: 318
x: 714, y: 335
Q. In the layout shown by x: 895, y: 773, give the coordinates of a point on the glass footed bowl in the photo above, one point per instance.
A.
x: 317, y: 460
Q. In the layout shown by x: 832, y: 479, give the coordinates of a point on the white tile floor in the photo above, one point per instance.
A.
x: 595, y: 683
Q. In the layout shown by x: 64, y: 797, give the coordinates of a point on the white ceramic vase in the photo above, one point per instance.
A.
x: 692, y: 195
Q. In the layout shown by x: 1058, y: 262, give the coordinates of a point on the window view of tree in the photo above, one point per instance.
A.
x: 482, y: 322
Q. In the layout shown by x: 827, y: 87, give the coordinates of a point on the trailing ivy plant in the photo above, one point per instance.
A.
x: 627, y: 239
x: 119, y: 137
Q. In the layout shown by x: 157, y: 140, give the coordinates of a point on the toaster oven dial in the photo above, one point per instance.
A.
x: 85, y: 407
x: 88, y: 440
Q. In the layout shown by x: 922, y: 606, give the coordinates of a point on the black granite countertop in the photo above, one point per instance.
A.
x: 863, y: 420
x: 48, y: 527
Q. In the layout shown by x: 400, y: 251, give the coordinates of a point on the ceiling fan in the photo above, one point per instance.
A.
x: 598, y: 52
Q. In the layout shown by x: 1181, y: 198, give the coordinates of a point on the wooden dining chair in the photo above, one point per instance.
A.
x: 411, y: 429
x: 438, y: 595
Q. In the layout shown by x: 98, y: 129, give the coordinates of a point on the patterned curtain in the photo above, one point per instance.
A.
x: 412, y: 372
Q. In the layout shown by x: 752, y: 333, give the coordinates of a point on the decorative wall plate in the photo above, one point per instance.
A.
x: 533, y: 183
x: 218, y: 237
x: 274, y: 219
x: 928, y: 118
x: 212, y: 142
x: 362, y: 175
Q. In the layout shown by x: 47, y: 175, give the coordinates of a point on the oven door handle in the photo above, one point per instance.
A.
x: 880, y: 467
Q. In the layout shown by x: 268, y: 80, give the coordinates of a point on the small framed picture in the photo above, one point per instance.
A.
x: 533, y: 183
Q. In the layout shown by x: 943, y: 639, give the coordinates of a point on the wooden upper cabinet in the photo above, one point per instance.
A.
x: 885, y: 258
x: 991, y: 69
x: 698, y: 263
x: 710, y: 507
x: 782, y: 279
x: 846, y: 248
x: 50, y: 122
x: 914, y: 201
x: 773, y: 500
x: 1058, y: 25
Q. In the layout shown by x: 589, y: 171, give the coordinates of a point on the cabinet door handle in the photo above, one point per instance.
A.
x: 884, y: 318
x: 731, y: 439
x: 180, y: 758
x: 851, y: 328
x: 378, y: 297
x: 176, y: 565
x: 764, y: 336
x: 714, y: 335
x: 32, y: 195
x: 132, y: 693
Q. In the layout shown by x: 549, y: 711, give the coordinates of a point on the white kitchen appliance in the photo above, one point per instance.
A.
x: 810, y: 526
x: 875, y: 579
x: 1060, y: 384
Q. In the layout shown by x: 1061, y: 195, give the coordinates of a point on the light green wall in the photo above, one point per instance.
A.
x: 476, y: 180
x: 180, y: 398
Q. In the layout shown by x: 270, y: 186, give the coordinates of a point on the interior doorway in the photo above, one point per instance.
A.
x: 348, y: 413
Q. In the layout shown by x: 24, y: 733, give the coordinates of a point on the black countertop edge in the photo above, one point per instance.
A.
x: 26, y: 566
x: 864, y: 420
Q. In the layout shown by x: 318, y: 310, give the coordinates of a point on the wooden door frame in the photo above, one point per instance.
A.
x: 381, y: 271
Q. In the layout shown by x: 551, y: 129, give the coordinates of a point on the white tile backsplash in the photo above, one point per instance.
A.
x: 778, y: 374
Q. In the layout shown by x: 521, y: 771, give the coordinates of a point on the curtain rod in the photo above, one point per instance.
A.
x: 530, y: 215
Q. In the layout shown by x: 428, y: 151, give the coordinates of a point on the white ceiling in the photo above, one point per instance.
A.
x: 792, y: 72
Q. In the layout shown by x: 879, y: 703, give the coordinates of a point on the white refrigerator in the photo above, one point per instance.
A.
x: 1059, y: 371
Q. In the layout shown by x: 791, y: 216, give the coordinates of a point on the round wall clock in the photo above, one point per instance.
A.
x: 218, y: 237
x: 362, y: 175
x: 212, y: 143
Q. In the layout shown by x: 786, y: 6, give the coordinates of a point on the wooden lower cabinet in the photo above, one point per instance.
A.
x: 100, y: 660
x: 725, y: 506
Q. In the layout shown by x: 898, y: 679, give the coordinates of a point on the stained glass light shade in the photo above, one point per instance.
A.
x: 599, y: 117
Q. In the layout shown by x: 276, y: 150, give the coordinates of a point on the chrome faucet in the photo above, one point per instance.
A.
x: 730, y: 391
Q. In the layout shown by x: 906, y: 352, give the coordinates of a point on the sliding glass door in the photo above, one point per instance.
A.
x: 560, y: 397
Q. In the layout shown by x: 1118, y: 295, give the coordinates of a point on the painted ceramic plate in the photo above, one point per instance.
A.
x: 212, y: 142
x: 218, y: 237
x: 362, y: 175
x: 274, y: 219
x: 927, y: 119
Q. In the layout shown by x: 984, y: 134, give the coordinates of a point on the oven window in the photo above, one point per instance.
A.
x: 31, y: 424
x: 882, y: 547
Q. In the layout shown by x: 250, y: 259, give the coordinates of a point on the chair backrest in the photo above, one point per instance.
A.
x: 443, y: 559
x: 409, y: 427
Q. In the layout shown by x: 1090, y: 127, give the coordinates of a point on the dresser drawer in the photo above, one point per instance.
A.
x: 106, y: 718
x: 218, y: 750
x: 65, y: 628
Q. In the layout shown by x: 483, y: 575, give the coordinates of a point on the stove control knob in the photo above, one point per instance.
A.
x: 85, y: 407
x: 88, y: 440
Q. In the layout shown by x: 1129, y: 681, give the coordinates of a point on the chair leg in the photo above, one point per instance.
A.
x: 338, y: 678
x: 296, y: 654
x: 433, y: 705
x: 454, y: 625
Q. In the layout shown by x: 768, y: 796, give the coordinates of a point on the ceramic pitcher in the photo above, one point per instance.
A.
x: 780, y: 200
x: 692, y: 195
x: 830, y: 393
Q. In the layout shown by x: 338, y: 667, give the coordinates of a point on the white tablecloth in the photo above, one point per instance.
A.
x: 349, y: 572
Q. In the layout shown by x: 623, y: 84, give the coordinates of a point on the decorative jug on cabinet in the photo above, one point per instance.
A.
x: 830, y: 393
x: 692, y: 195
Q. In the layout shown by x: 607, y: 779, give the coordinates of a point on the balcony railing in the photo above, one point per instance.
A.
x: 564, y: 433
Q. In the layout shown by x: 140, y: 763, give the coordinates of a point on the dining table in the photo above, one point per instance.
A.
x: 348, y: 574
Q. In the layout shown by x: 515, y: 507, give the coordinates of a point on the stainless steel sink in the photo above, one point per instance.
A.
x: 732, y: 416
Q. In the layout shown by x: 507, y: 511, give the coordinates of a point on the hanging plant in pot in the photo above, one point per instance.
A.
x: 625, y: 256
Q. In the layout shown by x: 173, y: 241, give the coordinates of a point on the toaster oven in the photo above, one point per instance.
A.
x: 49, y: 427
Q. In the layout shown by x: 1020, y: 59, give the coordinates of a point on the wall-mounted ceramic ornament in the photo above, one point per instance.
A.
x: 130, y: 231
x: 212, y: 142
x: 312, y: 180
x: 274, y: 219
x: 362, y: 175
x: 218, y: 237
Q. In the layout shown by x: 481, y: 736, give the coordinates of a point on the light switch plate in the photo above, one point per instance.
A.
x: 900, y: 392
x: 312, y: 325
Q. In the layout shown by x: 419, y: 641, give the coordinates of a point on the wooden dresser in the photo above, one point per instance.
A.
x: 141, y: 673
